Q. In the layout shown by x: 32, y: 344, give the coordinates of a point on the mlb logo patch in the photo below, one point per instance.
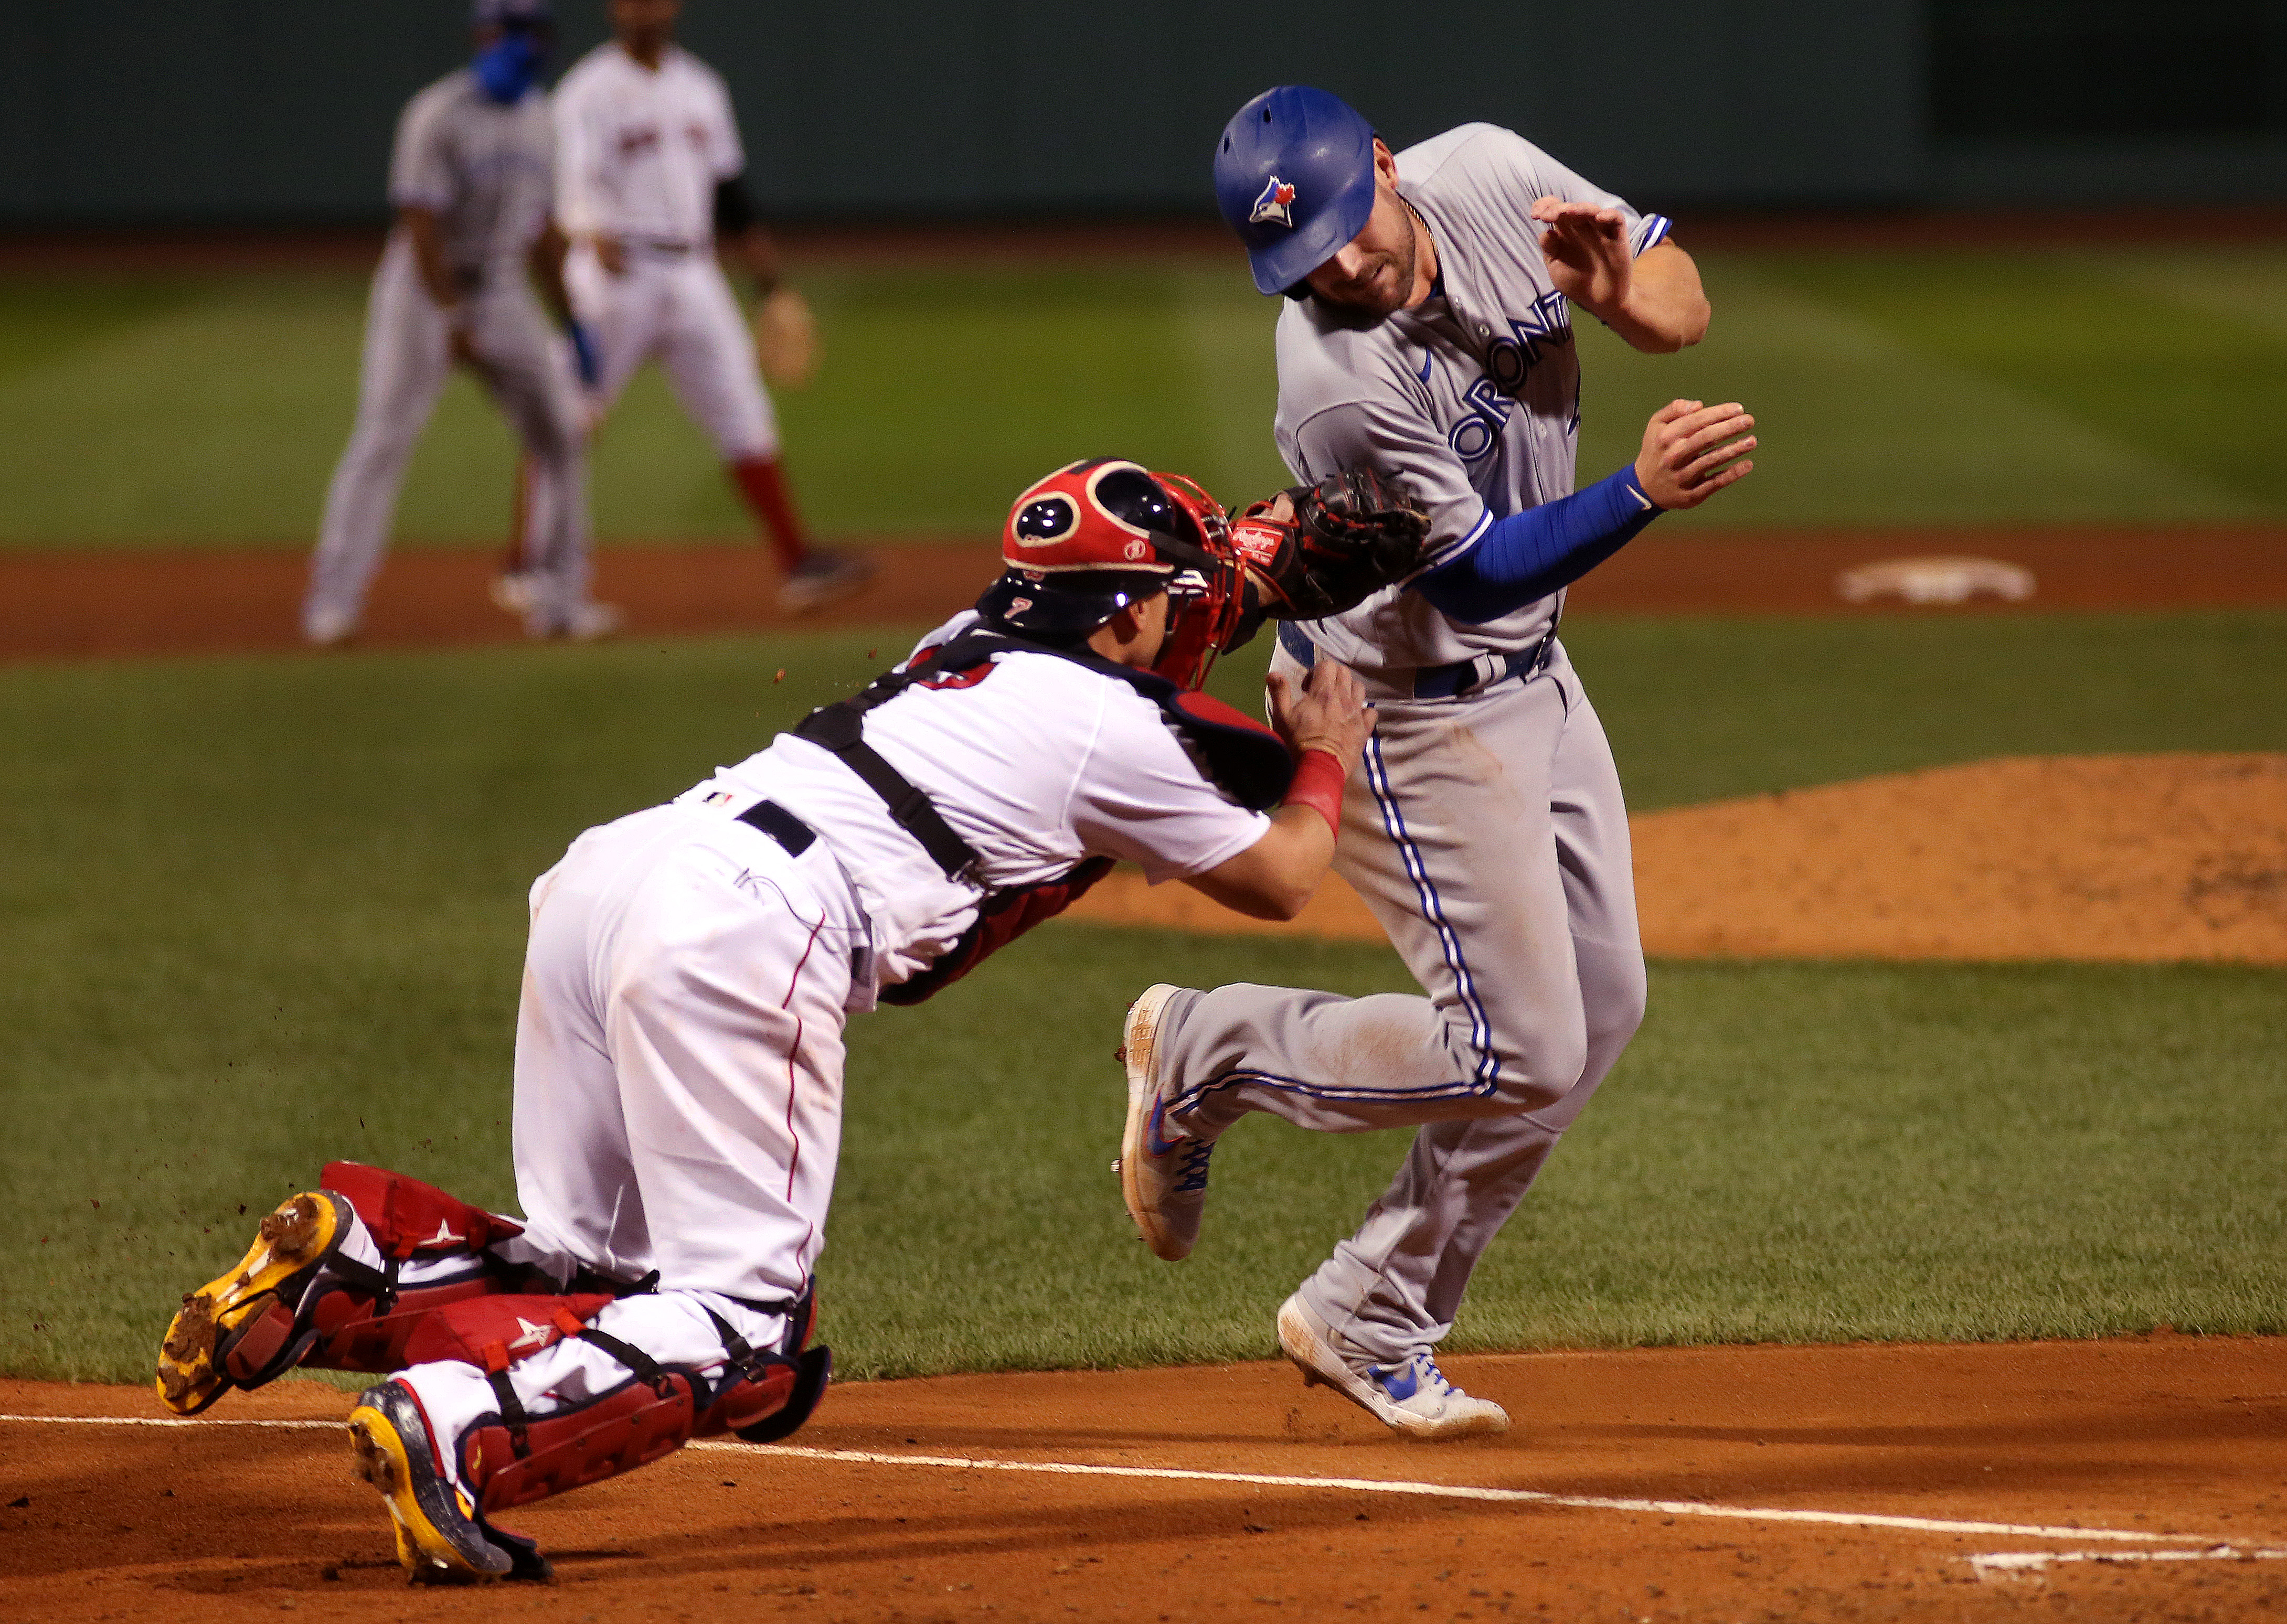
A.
x: 1275, y: 204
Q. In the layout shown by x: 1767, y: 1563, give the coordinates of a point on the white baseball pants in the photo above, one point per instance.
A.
x: 679, y: 310
x: 678, y: 1090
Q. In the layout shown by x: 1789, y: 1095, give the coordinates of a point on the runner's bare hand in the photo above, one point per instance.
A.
x: 1691, y: 451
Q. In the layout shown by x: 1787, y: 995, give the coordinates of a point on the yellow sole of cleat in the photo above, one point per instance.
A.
x: 428, y: 1555
x: 289, y: 1240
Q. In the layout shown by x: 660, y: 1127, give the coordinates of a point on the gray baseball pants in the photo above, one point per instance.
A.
x: 408, y: 359
x: 1488, y: 835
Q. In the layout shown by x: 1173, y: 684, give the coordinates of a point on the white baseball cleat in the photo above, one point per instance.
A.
x: 588, y: 621
x: 1411, y: 1397
x: 1162, y: 1179
x: 516, y: 592
x: 329, y: 628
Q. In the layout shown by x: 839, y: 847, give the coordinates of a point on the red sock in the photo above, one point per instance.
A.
x: 519, y: 518
x: 764, y: 486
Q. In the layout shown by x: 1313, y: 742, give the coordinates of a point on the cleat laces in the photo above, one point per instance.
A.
x: 1418, y: 1375
x: 1191, y: 1171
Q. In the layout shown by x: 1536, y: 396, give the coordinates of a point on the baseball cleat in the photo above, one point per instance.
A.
x: 583, y: 622
x: 823, y: 578
x: 1163, y: 1179
x: 1411, y: 1397
x: 196, y: 1366
x: 515, y: 592
x: 439, y: 1539
x: 329, y: 628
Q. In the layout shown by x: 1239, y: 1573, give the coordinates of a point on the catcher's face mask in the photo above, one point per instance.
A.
x: 1096, y: 536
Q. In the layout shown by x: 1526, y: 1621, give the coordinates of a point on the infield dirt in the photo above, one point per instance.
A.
x: 157, y: 600
x: 2125, y: 859
x: 2163, y: 1436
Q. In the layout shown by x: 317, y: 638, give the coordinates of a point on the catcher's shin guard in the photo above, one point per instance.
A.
x: 513, y: 1459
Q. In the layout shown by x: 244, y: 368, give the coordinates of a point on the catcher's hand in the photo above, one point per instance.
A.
x: 1318, y: 549
x: 786, y: 339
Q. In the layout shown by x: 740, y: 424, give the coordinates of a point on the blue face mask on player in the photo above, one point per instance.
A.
x: 507, y: 66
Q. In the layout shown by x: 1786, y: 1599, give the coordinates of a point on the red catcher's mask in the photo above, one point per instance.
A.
x: 1204, y: 600
x: 1095, y: 536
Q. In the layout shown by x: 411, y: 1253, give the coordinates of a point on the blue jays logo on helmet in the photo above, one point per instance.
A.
x: 1294, y: 177
x: 1276, y: 203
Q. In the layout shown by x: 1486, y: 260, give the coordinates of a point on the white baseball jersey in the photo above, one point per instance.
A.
x: 639, y: 153
x: 1038, y: 764
x: 1471, y: 399
x: 486, y: 170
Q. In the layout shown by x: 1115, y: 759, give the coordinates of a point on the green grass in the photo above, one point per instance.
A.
x: 1936, y: 388
x: 257, y: 912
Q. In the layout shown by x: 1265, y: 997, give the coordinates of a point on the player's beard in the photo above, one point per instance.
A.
x: 1386, y: 284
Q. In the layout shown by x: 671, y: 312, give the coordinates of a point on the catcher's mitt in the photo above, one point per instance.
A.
x: 786, y: 339
x: 1353, y: 534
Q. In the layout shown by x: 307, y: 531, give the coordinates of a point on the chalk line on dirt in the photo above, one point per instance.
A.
x: 2038, y: 1561
x: 1369, y: 1485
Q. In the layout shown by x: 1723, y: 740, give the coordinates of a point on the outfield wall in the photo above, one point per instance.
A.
x: 170, y: 112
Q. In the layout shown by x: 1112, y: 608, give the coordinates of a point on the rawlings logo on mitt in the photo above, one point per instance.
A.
x: 1349, y: 535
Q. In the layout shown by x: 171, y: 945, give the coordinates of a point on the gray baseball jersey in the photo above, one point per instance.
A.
x: 1471, y: 399
x: 489, y: 171
x: 1485, y: 826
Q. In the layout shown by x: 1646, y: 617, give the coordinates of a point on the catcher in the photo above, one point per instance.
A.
x: 678, y: 1054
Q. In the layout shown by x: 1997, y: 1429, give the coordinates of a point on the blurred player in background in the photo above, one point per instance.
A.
x: 471, y: 179
x: 650, y: 188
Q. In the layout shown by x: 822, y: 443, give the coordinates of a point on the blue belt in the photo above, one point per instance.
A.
x: 1463, y: 676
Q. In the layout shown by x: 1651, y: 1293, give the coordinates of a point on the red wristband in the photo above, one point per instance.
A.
x: 1317, y: 785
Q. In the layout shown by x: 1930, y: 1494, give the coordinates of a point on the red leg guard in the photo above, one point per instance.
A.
x: 512, y: 1460
x: 631, y: 1426
x: 352, y: 1335
x: 407, y: 1219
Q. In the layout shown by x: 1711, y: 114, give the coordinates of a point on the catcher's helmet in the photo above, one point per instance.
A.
x: 1093, y: 536
x: 1293, y: 176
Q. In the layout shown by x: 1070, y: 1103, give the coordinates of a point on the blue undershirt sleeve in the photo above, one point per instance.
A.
x: 1530, y: 555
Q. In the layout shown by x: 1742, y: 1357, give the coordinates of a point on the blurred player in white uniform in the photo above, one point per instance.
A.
x: 471, y: 179
x: 649, y: 188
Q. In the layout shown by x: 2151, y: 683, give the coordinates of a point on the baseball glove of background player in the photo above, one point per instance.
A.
x: 1351, y: 534
x: 786, y: 339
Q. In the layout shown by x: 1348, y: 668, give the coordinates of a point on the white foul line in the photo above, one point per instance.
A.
x: 1368, y: 1485
x: 1449, y: 1491
x: 2038, y: 1561
x: 160, y: 1421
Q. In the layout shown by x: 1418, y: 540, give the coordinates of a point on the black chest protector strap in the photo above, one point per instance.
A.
x: 839, y: 728
x: 1242, y: 757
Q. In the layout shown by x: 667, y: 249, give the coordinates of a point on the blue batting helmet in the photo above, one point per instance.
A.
x: 1293, y: 176
x: 510, y: 13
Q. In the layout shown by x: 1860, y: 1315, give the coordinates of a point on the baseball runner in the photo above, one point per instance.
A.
x: 1429, y: 339
x: 679, y: 1053
x: 470, y: 180
x: 649, y: 189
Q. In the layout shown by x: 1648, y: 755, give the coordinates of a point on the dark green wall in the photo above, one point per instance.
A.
x: 249, y: 111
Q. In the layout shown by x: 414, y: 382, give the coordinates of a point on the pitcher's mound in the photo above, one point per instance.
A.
x: 2122, y: 857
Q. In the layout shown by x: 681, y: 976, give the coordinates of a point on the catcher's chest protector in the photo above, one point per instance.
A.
x: 1233, y: 752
